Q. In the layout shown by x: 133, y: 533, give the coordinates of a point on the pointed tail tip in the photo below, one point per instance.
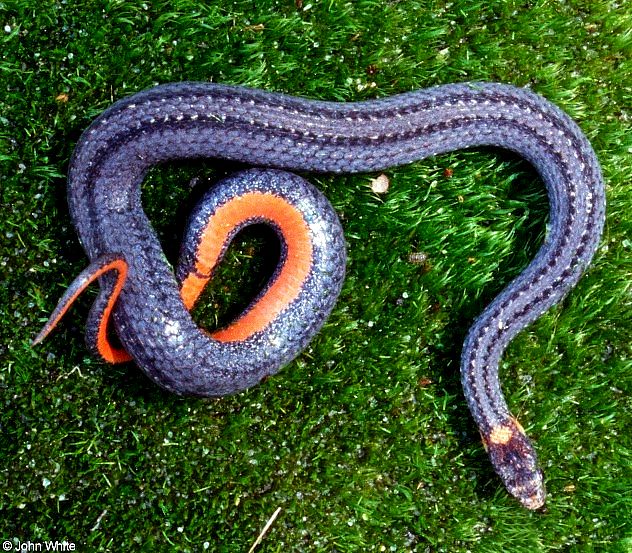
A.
x: 41, y: 335
x: 45, y: 331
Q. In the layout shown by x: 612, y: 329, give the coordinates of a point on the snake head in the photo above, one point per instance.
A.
x: 515, y: 461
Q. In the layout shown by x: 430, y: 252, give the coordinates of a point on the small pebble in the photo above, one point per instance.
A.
x: 379, y: 185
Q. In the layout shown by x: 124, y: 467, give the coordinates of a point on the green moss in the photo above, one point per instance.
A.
x: 364, y: 441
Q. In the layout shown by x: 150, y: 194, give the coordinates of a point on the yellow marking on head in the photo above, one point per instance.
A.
x: 500, y: 435
x: 503, y: 433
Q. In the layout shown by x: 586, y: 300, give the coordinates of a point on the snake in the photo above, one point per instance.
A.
x: 148, y: 305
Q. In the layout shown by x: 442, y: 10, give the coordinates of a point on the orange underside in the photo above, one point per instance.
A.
x: 108, y: 351
x: 290, y: 279
x: 280, y: 294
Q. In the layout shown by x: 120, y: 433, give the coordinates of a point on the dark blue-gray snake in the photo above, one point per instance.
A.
x: 149, y: 305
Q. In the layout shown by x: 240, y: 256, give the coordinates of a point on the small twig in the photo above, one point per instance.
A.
x: 98, y: 523
x: 265, y: 529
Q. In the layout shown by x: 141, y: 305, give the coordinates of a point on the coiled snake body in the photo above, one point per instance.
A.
x: 201, y: 120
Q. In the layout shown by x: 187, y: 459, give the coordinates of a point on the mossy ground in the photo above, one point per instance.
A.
x: 364, y: 441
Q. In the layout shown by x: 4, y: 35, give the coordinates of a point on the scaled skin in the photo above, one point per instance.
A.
x: 194, y: 120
